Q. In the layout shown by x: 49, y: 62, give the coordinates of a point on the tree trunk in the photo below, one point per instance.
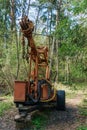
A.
x: 12, y: 14
x: 17, y: 45
x: 13, y: 28
x: 59, y: 3
x: 67, y: 70
x: 57, y: 60
x: 51, y: 53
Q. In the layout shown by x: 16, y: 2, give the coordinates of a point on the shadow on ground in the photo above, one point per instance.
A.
x: 56, y: 120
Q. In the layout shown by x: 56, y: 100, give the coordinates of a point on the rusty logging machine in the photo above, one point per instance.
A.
x: 36, y: 92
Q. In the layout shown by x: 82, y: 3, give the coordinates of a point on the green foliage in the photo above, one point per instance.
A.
x: 39, y: 121
x: 71, y: 94
x: 68, y: 49
x: 79, y: 7
x: 83, y: 108
x: 80, y: 86
x: 46, y: 1
x: 5, y: 105
x: 71, y: 34
x: 72, y: 41
x: 82, y: 128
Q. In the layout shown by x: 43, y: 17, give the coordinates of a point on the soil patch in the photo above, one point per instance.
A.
x: 58, y: 120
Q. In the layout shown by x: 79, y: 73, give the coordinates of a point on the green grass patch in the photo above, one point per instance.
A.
x: 39, y: 121
x: 79, y: 86
x: 82, y: 128
x: 70, y: 94
x: 5, y: 104
x: 83, y: 108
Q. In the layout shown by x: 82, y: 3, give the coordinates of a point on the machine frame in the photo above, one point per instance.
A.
x: 36, y: 91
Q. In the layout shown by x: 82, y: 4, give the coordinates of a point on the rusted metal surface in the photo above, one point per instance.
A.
x: 20, y: 91
x: 35, y: 89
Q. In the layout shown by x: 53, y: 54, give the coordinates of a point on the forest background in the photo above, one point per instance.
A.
x: 59, y: 24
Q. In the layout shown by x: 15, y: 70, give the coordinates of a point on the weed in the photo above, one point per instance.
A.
x: 81, y: 86
x: 82, y: 128
x: 5, y: 105
x: 70, y: 94
x: 83, y: 108
x: 39, y: 121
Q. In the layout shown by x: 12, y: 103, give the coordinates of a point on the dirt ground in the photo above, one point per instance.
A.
x: 58, y: 120
x: 69, y: 119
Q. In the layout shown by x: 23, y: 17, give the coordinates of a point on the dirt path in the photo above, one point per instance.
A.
x: 69, y: 119
x: 58, y: 120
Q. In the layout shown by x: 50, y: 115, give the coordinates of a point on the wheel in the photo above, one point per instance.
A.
x: 61, y: 100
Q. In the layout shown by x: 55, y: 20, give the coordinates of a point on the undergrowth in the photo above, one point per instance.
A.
x: 5, y: 105
x: 83, y: 108
x: 39, y: 121
x: 82, y: 128
x: 70, y: 95
x: 83, y: 112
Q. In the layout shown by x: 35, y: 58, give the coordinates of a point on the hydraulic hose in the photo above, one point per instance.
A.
x: 50, y: 99
x: 49, y: 89
x: 38, y: 94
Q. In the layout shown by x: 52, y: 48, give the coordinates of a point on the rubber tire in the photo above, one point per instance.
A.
x: 61, y: 100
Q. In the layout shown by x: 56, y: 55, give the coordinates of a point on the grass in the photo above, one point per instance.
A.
x: 80, y: 86
x: 82, y: 128
x: 39, y: 121
x: 83, y: 112
x: 5, y: 104
x: 83, y: 108
x: 70, y: 95
x: 74, y: 89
